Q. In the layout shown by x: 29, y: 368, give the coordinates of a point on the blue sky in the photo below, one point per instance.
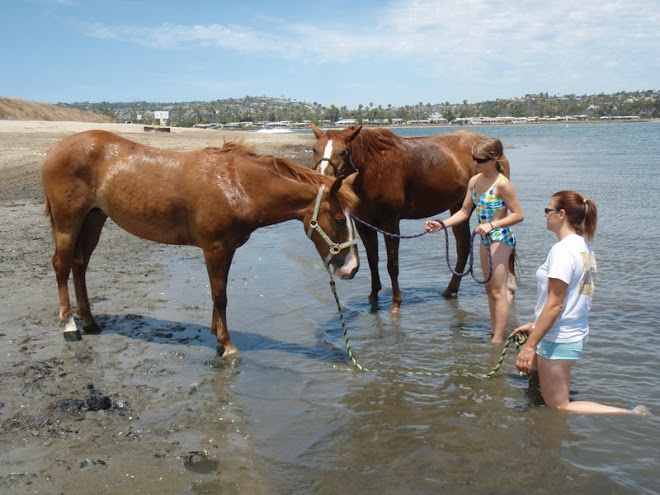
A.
x: 337, y: 52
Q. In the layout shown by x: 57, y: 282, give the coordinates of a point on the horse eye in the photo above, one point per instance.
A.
x: 344, y: 153
x: 340, y: 220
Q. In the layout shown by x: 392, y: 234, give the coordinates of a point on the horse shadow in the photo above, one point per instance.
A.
x: 168, y: 332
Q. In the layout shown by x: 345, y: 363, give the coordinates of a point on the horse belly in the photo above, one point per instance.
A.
x: 167, y: 224
x: 422, y: 202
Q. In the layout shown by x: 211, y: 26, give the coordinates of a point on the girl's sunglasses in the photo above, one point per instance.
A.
x: 481, y: 160
x: 548, y: 210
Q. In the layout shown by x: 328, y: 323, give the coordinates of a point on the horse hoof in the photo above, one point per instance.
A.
x: 450, y: 294
x: 92, y: 329
x: 229, y: 354
x: 72, y: 336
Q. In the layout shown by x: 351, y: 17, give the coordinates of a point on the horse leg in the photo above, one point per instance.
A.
x: 462, y: 236
x: 370, y: 241
x: 62, y: 261
x: 392, y: 248
x: 88, y: 239
x: 218, y: 261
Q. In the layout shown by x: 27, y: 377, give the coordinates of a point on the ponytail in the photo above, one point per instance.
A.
x: 581, y: 212
x: 590, y: 219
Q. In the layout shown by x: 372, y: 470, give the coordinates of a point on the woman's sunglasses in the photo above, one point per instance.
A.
x: 481, y: 160
x: 548, y: 210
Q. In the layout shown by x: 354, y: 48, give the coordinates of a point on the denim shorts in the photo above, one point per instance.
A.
x: 555, y: 350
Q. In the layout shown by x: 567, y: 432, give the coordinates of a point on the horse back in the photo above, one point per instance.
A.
x: 154, y: 194
x: 416, y: 177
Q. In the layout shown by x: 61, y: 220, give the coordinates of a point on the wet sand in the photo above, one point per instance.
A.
x: 122, y: 411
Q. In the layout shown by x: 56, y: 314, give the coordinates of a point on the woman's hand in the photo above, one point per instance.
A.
x: 525, y: 359
x: 433, y: 226
x: 526, y: 328
x: 527, y: 354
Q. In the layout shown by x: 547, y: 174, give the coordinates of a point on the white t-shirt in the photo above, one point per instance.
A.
x: 572, y: 261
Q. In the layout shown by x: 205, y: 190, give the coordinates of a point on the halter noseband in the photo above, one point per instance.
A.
x: 314, y: 226
x: 335, y: 166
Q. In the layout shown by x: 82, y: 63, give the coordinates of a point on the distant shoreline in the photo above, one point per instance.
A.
x: 301, y: 130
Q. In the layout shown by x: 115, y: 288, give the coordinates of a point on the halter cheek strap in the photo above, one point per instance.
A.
x: 314, y: 226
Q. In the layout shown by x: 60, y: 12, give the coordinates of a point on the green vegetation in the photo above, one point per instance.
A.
x: 258, y: 110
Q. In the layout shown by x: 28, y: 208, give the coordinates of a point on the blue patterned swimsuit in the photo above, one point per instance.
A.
x: 487, y: 205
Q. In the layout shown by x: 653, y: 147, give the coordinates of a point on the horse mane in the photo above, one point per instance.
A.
x: 370, y: 143
x: 234, y: 147
x: 283, y: 167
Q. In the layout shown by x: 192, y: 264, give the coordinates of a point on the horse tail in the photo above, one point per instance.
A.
x: 513, y: 281
x: 47, y: 213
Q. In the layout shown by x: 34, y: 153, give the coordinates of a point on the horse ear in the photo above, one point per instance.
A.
x: 343, y: 180
x: 355, y: 130
x: 316, y: 130
x: 350, y: 180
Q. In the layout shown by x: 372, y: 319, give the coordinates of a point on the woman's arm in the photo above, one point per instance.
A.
x: 557, y: 290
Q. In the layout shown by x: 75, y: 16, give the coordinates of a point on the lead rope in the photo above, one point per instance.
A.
x: 518, y: 339
x: 470, y: 260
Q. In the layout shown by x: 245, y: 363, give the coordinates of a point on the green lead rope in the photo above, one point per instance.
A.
x: 518, y: 339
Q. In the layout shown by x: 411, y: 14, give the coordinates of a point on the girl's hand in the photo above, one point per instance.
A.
x: 484, y: 229
x: 433, y: 226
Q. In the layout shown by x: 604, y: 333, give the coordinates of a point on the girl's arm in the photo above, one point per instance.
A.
x: 516, y: 215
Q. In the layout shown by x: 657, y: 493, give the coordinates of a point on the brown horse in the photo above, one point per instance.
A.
x: 212, y: 198
x: 401, y: 178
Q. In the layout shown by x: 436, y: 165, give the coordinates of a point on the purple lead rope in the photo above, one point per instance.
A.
x: 470, y: 258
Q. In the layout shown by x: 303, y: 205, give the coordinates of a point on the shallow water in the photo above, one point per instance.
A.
x: 314, y: 424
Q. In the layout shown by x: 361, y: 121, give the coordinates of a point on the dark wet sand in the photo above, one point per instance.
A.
x: 122, y: 411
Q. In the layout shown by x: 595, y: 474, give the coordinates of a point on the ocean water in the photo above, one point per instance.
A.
x: 313, y: 423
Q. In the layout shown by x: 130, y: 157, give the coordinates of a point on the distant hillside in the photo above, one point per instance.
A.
x: 15, y: 109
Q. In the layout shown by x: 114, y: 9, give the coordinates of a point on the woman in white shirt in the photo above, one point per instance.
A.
x: 565, y: 286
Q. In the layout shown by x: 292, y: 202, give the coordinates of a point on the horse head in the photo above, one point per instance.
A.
x: 331, y: 229
x: 332, y: 155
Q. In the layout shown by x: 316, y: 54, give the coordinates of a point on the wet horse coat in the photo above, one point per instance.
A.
x: 401, y: 178
x: 212, y: 198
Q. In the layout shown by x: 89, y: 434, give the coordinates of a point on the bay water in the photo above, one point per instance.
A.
x: 313, y: 423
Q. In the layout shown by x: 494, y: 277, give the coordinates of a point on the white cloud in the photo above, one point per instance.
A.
x: 517, y: 31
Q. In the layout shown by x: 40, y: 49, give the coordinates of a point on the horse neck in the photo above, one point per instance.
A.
x: 368, y: 150
x: 287, y: 199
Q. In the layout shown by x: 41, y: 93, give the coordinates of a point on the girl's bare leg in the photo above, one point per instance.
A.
x: 496, y: 287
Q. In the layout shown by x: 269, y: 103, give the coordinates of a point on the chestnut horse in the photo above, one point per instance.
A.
x: 401, y: 178
x: 212, y: 198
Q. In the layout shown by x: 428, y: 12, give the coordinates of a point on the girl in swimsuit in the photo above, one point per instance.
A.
x: 497, y: 206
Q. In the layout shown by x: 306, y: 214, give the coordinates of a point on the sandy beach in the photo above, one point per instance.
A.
x: 112, y: 413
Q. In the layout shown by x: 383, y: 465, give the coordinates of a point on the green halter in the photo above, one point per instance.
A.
x: 314, y: 226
